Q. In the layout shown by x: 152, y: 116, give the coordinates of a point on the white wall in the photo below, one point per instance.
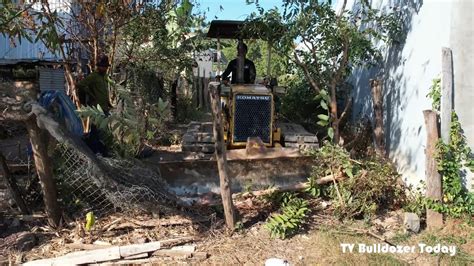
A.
x: 408, y: 71
x: 462, y: 43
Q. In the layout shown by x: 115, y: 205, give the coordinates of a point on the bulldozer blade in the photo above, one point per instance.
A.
x: 189, y: 177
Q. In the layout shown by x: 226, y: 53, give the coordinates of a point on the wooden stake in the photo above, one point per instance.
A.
x: 446, y: 93
x: 44, y: 169
x: 377, y: 99
x: 13, y: 187
x: 433, y: 179
x: 221, y: 159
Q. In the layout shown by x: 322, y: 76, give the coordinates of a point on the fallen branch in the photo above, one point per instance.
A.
x: 372, y: 234
x: 178, y: 241
x: 13, y: 187
x: 180, y: 253
x: 294, y: 187
x: 298, y: 186
x: 133, y: 223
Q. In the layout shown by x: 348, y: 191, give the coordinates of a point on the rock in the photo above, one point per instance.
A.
x: 140, y: 240
x: 411, y: 221
x: 276, y: 262
x: 389, y: 235
x: 15, y: 223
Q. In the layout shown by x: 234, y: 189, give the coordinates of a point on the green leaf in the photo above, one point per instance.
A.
x: 331, y: 133
x: 323, y: 117
x: 323, y: 123
x: 90, y: 220
x: 324, y: 105
x: 348, y: 172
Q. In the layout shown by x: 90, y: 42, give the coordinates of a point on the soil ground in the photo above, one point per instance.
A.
x: 318, y: 243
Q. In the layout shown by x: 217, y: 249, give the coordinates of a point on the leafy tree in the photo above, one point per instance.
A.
x: 325, y: 45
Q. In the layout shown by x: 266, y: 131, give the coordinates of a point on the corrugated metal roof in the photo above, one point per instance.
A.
x: 51, y: 79
x: 34, y: 51
x: 25, y: 51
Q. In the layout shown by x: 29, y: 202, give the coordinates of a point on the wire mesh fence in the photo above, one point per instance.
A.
x: 88, y: 182
x: 105, y: 185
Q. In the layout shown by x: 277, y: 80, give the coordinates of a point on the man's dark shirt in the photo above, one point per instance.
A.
x: 94, y: 87
x: 249, y: 71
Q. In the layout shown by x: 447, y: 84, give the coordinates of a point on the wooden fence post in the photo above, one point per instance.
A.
x: 377, y: 99
x: 44, y: 169
x: 434, y: 219
x: 13, y: 187
x: 220, y: 147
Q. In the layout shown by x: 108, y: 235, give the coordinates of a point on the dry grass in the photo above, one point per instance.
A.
x: 317, y: 244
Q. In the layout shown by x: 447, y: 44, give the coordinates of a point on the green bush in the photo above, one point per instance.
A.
x: 299, y: 104
x: 291, y: 218
x: 371, y: 184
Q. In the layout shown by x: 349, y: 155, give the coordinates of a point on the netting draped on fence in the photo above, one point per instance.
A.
x: 102, y: 184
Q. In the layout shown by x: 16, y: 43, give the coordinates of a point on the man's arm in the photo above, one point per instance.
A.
x: 228, y: 70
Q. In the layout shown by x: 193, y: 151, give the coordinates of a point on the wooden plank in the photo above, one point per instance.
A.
x: 86, y: 246
x: 89, y: 256
x: 130, y: 250
x: 220, y: 150
x: 446, y: 93
x: 100, y: 255
x: 138, y: 256
x: 433, y: 178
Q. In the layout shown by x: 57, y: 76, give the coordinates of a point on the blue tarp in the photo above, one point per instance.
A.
x: 58, y: 103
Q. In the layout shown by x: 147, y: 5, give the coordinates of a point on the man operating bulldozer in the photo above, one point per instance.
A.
x: 249, y: 68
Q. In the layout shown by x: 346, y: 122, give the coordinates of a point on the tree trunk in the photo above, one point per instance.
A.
x: 220, y: 147
x: 44, y: 169
x: 174, y: 98
x: 377, y: 99
x: 433, y: 179
x: 334, y: 119
x: 13, y: 187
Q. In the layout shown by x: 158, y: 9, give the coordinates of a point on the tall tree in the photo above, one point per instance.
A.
x: 325, y: 45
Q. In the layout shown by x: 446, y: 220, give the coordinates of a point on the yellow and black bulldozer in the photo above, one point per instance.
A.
x: 261, y: 151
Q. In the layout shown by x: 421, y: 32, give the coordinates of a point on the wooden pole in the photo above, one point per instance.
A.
x: 434, y: 219
x: 377, y: 99
x: 218, y: 56
x: 220, y: 148
x: 269, y: 58
x: 13, y: 187
x: 446, y: 93
x: 44, y: 169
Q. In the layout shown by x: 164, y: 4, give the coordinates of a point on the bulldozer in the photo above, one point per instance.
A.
x: 261, y: 151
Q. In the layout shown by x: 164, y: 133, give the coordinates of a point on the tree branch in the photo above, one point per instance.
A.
x: 341, y: 11
x: 307, y: 74
x: 346, y: 108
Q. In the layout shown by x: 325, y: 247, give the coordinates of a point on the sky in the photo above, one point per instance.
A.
x: 233, y: 9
